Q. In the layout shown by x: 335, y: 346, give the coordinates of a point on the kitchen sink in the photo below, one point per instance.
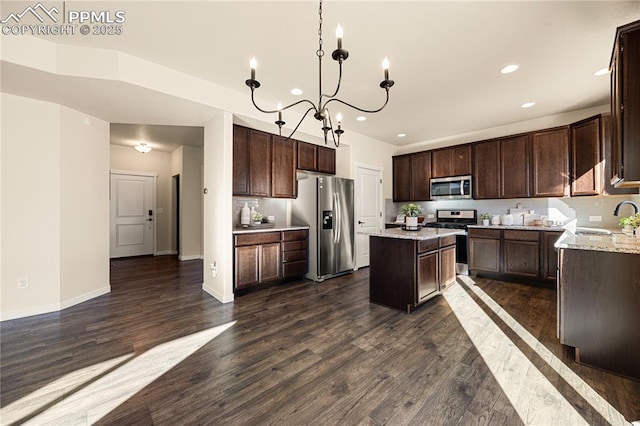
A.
x: 592, y: 231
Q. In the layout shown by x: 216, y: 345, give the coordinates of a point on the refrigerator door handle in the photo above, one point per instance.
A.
x: 336, y: 213
x: 339, y: 212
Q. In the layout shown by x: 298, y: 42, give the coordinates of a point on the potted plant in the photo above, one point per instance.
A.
x: 485, y: 218
x: 257, y: 218
x: 628, y: 223
x: 411, y: 212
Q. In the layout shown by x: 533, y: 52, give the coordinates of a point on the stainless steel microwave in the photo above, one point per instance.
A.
x: 451, y: 188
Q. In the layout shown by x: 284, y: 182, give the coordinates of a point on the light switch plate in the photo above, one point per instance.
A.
x: 595, y: 218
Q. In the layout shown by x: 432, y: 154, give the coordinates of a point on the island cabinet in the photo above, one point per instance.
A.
x: 550, y: 163
x: 454, y: 161
x: 404, y: 273
x: 625, y: 106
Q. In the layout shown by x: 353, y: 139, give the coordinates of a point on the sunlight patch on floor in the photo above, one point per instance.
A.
x: 532, y: 396
x: 96, y: 400
x: 606, y: 410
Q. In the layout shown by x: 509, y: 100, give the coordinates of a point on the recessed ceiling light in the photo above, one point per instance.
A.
x: 402, y: 135
x: 296, y: 92
x: 603, y: 71
x: 361, y: 118
x: 527, y: 105
x: 509, y: 69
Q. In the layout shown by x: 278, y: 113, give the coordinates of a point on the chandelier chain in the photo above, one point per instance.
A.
x: 320, y: 51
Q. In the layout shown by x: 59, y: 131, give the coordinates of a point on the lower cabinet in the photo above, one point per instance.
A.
x: 513, y: 254
x: 269, y: 257
x: 406, y: 273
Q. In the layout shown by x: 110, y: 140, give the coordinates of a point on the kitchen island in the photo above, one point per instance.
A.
x: 599, y: 300
x: 407, y: 268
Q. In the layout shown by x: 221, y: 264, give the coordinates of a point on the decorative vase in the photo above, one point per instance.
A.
x: 411, y: 221
x: 485, y: 222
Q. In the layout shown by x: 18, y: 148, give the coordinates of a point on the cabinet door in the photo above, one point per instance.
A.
x: 607, y: 144
x: 549, y: 255
x: 484, y: 254
x: 283, y: 168
x: 270, y: 263
x: 326, y: 160
x: 420, y: 176
x: 629, y: 62
x: 240, y: 160
x: 461, y: 160
x: 307, y: 156
x: 586, y: 157
x: 486, y: 170
x: 441, y: 163
x: 427, y: 280
x: 259, y: 163
x: 514, y: 167
x: 550, y: 165
x: 402, y: 178
x: 247, y: 266
x: 447, y: 266
x: 521, y: 258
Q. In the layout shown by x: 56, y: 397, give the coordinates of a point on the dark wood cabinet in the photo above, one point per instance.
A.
x: 427, y: 275
x: 550, y: 163
x: 549, y: 255
x: 625, y: 106
x: 586, y: 157
x: 484, y: 250
x: 420, y: 186
x: 607, y: 144
x: 247, y: 266
x: 307, y: 156
x: 283, y: 168
x: 521, y: 253
x: 251, y: 162
x: 514, y: 167
x: 402, y: 178
x: 270, y: 263
x: 326, y: 160
x: 294, y: 253
x: 486, y: 170
x: 455, y: 161
x: 447, y: 266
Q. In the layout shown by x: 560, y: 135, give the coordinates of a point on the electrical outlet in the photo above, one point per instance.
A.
x: 23, y: 282
x: 595, y: 218
x: 214, y: 269
x: 430, y: 216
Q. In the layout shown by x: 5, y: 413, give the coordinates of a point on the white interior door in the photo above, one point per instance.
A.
x: 132, y: 204
x: 368, y: 208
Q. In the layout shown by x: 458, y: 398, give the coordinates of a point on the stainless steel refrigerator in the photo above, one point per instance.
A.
x: 325, y: 203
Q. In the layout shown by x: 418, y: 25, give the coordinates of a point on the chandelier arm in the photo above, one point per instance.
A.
x: 373, y: 111
x: 337, y: 87
x: 276, y: 110
x: 333, y: 135
x: 301, y: 120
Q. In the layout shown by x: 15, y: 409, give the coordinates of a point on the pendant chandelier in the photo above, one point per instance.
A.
x: 321, y: 108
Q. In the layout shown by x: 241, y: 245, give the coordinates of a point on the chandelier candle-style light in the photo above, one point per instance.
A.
x: 320, y: 109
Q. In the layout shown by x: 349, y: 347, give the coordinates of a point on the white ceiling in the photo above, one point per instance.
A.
x: 445, y: 56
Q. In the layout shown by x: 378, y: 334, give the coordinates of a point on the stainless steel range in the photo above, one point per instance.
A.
x: 457, y: 219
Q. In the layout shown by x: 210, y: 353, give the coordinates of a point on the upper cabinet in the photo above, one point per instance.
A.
x: 283, y: 170
x: 411, y: 177
x: 315, y: 158
x: 625, y: 106
x: 550, y: 163
x: 454, y: 161
x: 486, y: 170
x: 402, y: 178
x: 514, y: 167
x: 586, y: 157
x: 251, y: 162
x: 605, y: 137
x: 326, y: 160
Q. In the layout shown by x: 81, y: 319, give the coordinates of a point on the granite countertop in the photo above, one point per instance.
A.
x: 615, y: 242
x: 422, y: 234
x: 275, y: 228
x: 558, y: 228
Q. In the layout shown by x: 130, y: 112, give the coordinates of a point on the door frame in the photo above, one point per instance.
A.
x: 356, y: 210
x: 154, y: 175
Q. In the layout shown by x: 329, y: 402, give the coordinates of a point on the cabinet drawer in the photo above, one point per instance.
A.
x: 522, y: 235
x: 427, y: 245
x: 294, y: 235
x: 289, y: 256
x: 292, y: 269
x: 447, y: 241
x: 484, y: 233
x: 294, y: 245
x: 256, y: 238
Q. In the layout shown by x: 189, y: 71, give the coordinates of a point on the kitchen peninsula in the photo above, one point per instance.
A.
x: 407, y: 268
x: 599, y: 300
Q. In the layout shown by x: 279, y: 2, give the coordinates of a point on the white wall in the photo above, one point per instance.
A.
x: 47, y: 152
x: 218, y: 220
x: 127, y: 158
x: 190, y: 203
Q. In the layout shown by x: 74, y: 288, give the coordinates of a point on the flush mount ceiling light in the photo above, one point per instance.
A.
x: 361, y: 118
x: 509, y: 69
x: 402, y: 135
x: 603, y: 71
x: 142, y: 147
x: 296, y: 91
x: 527, y: 105
x: 320, y: 109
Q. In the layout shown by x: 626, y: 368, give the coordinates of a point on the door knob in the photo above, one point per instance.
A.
x: 149, y: 220
x: 360, y: 222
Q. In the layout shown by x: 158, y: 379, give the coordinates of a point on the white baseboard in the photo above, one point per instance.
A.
x: 165, y: 252
x: 53, y: 307
x: 191, y: 257
x: 216, y: 294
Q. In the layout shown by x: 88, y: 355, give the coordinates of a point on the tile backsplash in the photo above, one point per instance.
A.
x: 585, y: 210
x: 267, y: 206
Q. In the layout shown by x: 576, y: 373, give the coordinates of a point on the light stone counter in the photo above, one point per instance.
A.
x: 422, y: 234
x: 520, y: 227
x: 614, y: 242
x: 251, y: 229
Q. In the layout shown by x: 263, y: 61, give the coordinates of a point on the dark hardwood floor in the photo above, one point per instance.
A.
x: 299, y: 353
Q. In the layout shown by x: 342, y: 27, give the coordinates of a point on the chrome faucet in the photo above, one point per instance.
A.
x: 636, y: 208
